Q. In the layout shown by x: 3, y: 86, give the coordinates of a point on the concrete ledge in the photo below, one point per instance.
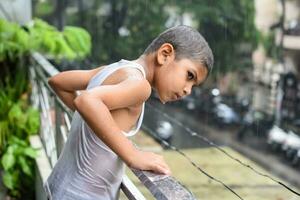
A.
x: 43, y: 168
x: 163, y: 187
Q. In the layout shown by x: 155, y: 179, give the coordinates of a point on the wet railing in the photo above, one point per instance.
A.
x: 55, y: 124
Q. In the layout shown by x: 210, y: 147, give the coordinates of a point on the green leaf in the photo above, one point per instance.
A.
x: 78, y: 39
x: 17, y: 117
x: 22, y: 38
x: 33, y: 121
x: 8, y: 161
x: 11, y: 148
x: 4, y: 132
x: 10, y: 179
x: 16, y: 142
x: 25, y: 165
x: 16, y: 43
x: 30, y: 152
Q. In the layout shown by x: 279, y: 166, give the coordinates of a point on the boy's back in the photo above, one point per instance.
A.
x: 87, y: 168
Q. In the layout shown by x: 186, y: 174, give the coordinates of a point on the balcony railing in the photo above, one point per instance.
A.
x: 55, y: 124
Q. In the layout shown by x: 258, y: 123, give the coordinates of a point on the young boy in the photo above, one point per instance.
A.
x: 110, y: 108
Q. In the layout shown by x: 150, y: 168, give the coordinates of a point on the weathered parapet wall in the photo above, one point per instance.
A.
x: 55, y: 124
x: 163, y: 187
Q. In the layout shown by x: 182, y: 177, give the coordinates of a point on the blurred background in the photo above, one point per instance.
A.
x: 249, y: 104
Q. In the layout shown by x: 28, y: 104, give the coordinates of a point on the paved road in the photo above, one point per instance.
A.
x: 254, y: 148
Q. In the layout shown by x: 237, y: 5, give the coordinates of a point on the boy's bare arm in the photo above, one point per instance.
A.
x: 65, y: 84
x: 95, y: 105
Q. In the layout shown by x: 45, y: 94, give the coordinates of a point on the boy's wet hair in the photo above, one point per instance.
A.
x: 187, y: 42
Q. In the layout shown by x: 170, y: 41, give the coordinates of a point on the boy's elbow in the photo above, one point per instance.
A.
x: 78, y: 102
x: 52, y: 82
x: 82, y: 102
x: 85, y: 103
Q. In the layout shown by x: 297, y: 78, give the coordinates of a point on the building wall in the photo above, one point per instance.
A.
x: 16, y: 10
x: 267, y: 70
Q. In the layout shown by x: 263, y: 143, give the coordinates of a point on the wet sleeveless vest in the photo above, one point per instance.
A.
x: 88, y: 169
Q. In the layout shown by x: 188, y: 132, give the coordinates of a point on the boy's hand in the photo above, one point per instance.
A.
x: 149, y: 161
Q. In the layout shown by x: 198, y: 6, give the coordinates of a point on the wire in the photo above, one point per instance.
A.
x: 205, y: 139
x: 189, y: 159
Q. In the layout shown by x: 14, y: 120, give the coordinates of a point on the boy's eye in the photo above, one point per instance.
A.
x: 190, y: 76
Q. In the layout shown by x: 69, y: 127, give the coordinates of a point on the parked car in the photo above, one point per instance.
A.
x: 296, y: 159
x: 291, y: 145
x: 293, y: 28
x: 164, y: 130
x: 192, y: 102
x: 276, y: 137
x: 256, y: 122
x: 225, y: 115
x: 222, y: 112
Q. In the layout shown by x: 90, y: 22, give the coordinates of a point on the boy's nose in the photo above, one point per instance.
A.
x: 187, y: 90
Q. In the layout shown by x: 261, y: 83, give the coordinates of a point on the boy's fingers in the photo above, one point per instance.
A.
x: 163, y: 170
x: 165, y: 165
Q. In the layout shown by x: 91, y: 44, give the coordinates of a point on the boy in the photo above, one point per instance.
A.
x: 111, y: 107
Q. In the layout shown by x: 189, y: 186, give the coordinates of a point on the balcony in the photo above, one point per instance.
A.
x: 140, y: 185
x: 290, y: 42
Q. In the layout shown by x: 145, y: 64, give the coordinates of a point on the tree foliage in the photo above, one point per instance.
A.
x: 120, y: 29
x: 228, y: 26
x: 123, y: 29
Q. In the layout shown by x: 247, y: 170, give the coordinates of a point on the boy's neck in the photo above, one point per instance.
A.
x: 148, y: 63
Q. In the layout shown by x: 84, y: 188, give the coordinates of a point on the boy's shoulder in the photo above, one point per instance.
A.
x: 129, y: 78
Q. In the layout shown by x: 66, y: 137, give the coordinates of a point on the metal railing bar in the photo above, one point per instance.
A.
x: 130, y: 190
x: 67, y: 120
x: 45, y: 64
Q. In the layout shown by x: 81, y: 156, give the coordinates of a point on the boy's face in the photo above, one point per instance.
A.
x: 176, y: 79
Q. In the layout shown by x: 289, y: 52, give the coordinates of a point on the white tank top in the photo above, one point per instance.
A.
x: 88, y: 169
x: 99, y: 78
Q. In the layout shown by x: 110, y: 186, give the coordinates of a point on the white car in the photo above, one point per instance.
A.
x: 164, y: 130
x: 276, y: 137
x: 291, y: 145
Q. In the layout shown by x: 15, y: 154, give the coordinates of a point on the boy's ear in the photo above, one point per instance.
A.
x: 165, y: 53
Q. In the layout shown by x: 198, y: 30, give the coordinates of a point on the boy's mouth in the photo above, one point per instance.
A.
x: 176, y: 96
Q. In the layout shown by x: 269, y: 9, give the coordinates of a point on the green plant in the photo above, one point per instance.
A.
x: 72, y: 43
x: 17, y: 42
x: 18, y: 165
x: 17, y: 156
x: 14, y: 41
x: 17, y: 119
x: 78, y: 39
x: 12, y: 90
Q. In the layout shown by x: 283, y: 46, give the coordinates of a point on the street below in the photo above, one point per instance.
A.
x: 185, y: 123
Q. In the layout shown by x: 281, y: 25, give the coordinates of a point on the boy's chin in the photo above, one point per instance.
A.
x: 166, y: 99
x: 163, y: 99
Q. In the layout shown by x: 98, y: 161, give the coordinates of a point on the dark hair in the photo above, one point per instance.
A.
x: 187, y: 42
